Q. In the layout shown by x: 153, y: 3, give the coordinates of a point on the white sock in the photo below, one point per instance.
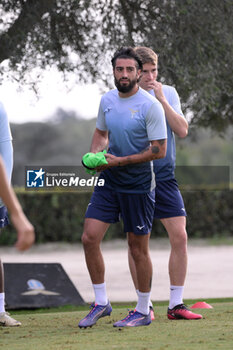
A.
x: 100, y: 294
x: 143, y: 303
x: 176, y: 296
x: 150, y: 302
x: 2, y: 302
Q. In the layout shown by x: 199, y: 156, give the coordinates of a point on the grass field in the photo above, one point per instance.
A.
x: 57, y: 329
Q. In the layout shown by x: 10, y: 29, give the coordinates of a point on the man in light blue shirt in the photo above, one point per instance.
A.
x: 133, y: 123
x: 169, y: 205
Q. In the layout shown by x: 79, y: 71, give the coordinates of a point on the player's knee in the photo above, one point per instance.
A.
x: 88, y: 239
x: 179, y: 239
x: 137, y: 252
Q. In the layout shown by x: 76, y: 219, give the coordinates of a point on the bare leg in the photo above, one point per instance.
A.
x: 177, y: 268
x: 140, y: 262
x: 132, y: 269
x: 1, y: 277
x: 94, y: 231
x: 178, y: 257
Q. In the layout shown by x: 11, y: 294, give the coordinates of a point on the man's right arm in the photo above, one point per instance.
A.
x: 100, y: 137
x: 99, y: 140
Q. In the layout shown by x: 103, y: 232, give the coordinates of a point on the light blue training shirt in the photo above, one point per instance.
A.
x: 165, y: 167
x: 6, y: 149
x: 131, y: 123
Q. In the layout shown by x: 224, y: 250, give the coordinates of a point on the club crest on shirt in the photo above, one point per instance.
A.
x: 133, y: 112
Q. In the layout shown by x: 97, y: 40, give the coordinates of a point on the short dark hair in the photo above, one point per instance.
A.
x: 126, y: 52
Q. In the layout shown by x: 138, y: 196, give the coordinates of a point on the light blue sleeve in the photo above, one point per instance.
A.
x: 100, y: 123
x: 5, y: 132
x: 6, y: 148
x: 156, y: 122
x: 6, y: 151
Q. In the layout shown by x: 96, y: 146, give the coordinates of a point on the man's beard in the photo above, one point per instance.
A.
x: 125, y: 88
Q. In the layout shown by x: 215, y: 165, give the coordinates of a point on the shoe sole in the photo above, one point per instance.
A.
x: 4, y: 324
x: 132, y: 325
x: 138, y: 325
x: 182, y: 318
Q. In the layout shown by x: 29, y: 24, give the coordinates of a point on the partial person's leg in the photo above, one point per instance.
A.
x: 5, y: 319
x: 138, y: 236
x: 94, y: 231
x: 141, y: 263
x: 4, y: 221
x: 132, y: 269
x: 176, y: 228
x: 138, y: 228
x: 2, y: 294
x: 133, y: 273
x: 139, y: 249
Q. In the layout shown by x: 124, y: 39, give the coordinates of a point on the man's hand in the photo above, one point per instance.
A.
x: 112, y: 161
x: 25, y: 231
x: 156, y: 86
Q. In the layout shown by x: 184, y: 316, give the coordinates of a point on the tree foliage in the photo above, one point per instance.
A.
x: 192, y: 37
x: 63, y: 140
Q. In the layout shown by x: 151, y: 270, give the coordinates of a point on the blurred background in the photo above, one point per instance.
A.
x: 55, y: 65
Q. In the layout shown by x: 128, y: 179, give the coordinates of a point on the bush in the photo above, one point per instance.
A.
x: 60, y: 216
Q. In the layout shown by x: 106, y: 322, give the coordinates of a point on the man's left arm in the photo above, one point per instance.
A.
x: 156, y: 150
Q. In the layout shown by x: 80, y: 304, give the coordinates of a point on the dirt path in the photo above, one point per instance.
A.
x: 209, y: 270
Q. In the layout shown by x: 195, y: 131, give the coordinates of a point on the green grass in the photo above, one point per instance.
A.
x: 58, y: 330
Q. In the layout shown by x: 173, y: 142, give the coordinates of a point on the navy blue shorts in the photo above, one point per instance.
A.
x: 3, y: 217
x: 136, y: 210
x: 168, y: 200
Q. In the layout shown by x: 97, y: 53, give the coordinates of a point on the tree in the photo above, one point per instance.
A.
x: 192, y: 37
